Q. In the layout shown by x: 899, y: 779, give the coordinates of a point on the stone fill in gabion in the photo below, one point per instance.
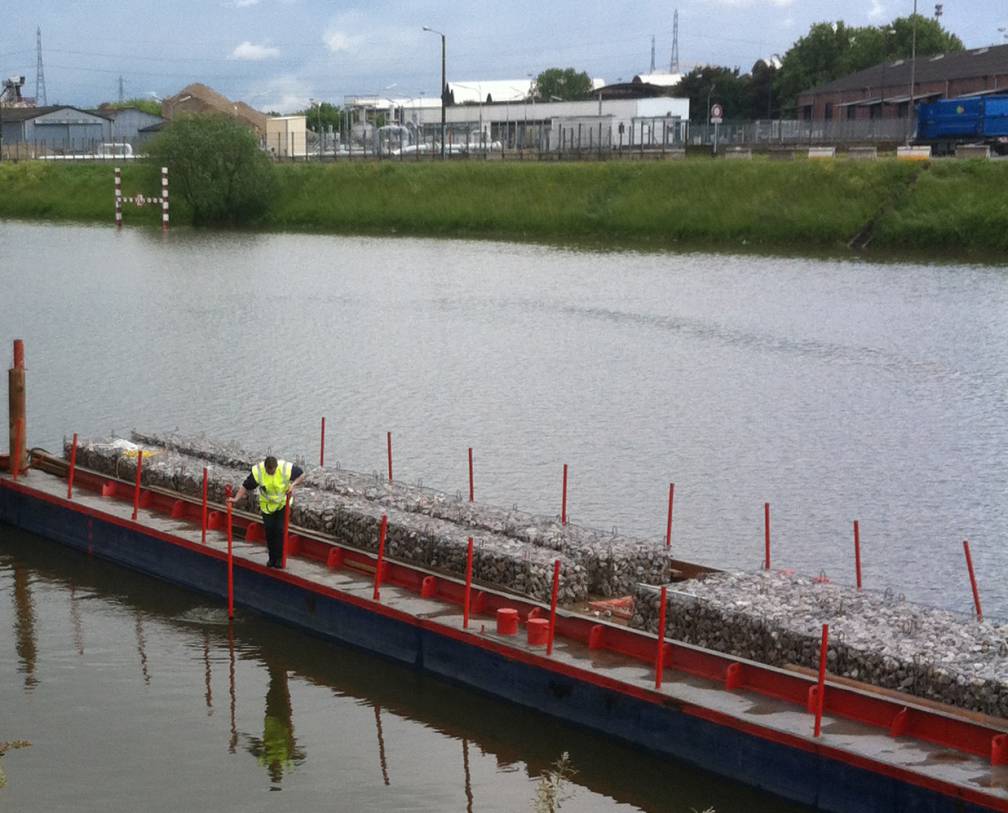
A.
x: 498, y: 560
x: 613, y: 564
x: 777, y: 618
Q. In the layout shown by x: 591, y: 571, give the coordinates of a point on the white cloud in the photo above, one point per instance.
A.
x: 877, y: 10
x: 245, y: 3
x: 337, y: 41
x: 752, y: 3
x: 252, y: 52
x: 285, y: 94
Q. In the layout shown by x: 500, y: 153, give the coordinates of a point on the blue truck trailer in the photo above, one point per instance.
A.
x: 944, y: 123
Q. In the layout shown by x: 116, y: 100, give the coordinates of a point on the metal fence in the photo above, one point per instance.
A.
x: 572, y: 139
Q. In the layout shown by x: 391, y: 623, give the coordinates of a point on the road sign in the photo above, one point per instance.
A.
x: 716, y: 114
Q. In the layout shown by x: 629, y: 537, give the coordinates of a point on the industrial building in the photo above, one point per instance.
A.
x: 54, y: 129
x: 883, y: 91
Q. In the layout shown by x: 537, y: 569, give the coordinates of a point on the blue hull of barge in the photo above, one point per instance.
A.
x: 795, y: 774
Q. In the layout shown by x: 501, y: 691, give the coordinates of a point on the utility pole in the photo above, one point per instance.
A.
x: 913, y: 75
x: 444, y: 87
x: 652, y: 54
x: 122, y: 93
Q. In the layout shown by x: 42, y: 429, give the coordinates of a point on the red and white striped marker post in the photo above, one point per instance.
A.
x: 118, y: 197
x: 164, y: 198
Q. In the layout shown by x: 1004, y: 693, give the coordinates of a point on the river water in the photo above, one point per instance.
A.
x: 833, y: 389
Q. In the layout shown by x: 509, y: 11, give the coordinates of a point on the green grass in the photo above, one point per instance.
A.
x: 795, y: 206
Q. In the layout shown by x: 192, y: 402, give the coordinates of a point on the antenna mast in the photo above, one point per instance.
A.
x: 652, y: 53
x: 674, y: 62
x: 40, y: 91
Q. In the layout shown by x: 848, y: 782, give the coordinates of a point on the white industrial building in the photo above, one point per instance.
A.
x: 598, y: 123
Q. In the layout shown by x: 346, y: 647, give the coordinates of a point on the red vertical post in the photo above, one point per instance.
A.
x: 563, y: 504
x: 381, y: 557
x: 471, y: 490
x: 857, y: 553
x: 668, y: 525
x: 230, y: 553
x: 660, y: 654
x: 283, y: 558
x: 553, y: 605
x: 17, y: 453
x: 388, y: 444
x: 321, y: 454
x: 204, y: 522
x: 823, y: 647
x: 136, y: 488
x: 73, y: 467
x: 468, y: 585
x: 766, y: 534
x: 973, y: 582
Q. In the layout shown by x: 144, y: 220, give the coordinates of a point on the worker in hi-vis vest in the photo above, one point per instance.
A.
x: 274, y: 479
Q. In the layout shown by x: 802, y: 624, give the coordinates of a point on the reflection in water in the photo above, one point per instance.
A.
x: 277, y: 751
x: 75, y: 620
x: 381, y: 744
x: 468, y: 776
x: 142, y: 648
x: 426, y: 711
x: 24, y: 621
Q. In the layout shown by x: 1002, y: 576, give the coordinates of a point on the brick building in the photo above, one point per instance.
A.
x: 883, y: 91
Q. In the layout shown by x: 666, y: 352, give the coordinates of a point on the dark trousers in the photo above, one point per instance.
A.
x: 273, y: 524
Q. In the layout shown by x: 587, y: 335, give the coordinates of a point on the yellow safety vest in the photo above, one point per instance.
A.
x: 272, y: 487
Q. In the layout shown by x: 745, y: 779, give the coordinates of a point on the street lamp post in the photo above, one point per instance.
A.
x: 913, y: 75
x: 444, y: 87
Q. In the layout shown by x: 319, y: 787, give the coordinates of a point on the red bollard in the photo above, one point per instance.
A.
x: 230, y: 554
x: 283, y: 562
x: 136, y: 489
x: 766, y: 530
x: 321, y: 454
x: 388, y: 444
x: 973, y: 582
x: 660, y: 655
x: 553, y: 605
x: 73, y: 467
x: 471, y: 491
x: 468, y: 586
x: 204, y: 523
x: 381, y: 557
x: 668, y: 525
x: 857, y: 553
x: 823, y: 648
x: 563, y: 505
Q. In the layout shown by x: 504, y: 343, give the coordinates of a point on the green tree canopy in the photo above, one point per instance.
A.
x: 216, y: 163
x: 726, y: 86
x: 565, y: 84
x: 325, y: 114
x: 831, y: 50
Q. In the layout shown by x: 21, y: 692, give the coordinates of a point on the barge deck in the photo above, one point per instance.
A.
x: 878, y: 751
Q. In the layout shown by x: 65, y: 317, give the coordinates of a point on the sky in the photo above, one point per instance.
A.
x: 279, y: 54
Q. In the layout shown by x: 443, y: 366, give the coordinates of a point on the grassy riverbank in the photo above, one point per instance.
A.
x: 795, y: 206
